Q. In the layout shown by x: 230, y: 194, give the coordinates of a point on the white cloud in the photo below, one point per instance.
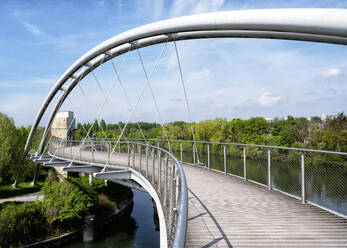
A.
x: 185, y: 7
x: 332, y: 72
x: 32, y: 28
x: 267, y: 99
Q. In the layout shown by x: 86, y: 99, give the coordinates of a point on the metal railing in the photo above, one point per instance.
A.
x: 316, y: 177
x: 161, y: 168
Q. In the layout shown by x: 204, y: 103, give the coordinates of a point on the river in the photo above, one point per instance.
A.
x: 138, y: 230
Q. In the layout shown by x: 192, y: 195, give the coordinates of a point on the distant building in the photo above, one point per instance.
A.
x: 63, y: 125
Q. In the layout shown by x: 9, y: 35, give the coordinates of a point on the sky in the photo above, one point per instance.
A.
x: 228, y: 78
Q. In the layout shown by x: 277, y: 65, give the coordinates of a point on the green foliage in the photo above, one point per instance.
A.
x: 11, y: 149
x: 288, y: 132
x: 12, y: 165
x: 62, y: 209
x: 65, y: 202
x: 21, y: 224
x: 335, y: 134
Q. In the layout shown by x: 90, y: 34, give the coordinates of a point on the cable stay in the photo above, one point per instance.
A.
x: 127, y: 98
x: 135, y: 106
x: 187, y: 103
x: 154, y: 99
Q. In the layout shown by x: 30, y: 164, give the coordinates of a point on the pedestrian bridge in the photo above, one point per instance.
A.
x: 267, y: 196
x: 209, y: 207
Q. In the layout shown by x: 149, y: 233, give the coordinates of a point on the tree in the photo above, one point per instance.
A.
x: 11, y: 150
x: 335, y: 134
x: 96, y: 126
x: 103, y: 125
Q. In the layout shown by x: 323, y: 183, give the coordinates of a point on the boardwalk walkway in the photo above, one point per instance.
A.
x: 226, y: 211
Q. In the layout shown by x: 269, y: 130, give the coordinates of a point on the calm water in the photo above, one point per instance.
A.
x: 138, y: 230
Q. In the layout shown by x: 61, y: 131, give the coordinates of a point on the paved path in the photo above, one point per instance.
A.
x: 23, y: 198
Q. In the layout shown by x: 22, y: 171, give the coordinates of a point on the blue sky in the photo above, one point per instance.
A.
x: 232, y: 78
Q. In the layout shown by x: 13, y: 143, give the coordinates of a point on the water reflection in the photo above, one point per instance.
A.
x: 136, y: 230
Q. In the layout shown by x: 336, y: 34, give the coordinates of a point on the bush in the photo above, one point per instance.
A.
x: 21, y: 224
x: 65, y: 202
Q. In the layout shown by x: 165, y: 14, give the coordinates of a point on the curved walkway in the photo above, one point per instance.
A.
x: 226, y: 211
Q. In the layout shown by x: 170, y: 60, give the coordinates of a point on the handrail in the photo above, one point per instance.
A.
x: 304, y: 165
x: 179, y: 208
x: 243, y: 145
x: 182, y: 208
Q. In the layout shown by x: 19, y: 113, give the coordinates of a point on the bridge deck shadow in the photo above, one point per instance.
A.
x: 229, y: 212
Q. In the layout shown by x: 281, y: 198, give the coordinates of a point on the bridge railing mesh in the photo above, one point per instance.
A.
x: 313, y: 176
x: 156, y: 164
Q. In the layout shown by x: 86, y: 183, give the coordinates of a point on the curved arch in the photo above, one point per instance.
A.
x: 319, y: 25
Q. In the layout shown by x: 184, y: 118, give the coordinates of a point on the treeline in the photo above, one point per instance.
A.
x: 315, y: 133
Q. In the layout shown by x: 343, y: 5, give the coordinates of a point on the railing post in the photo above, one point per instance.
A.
x: 109, y: 149
x: 194, y: 153
x: 140, y: 160
x: 159, y: 172
x: 181, y: 148
x: 173, y: 189
x: 80, y: 152
x: 153, y: 167
x: 166, y: 177
x: 146, y: 161
x: 269, y: 180
x: 208, y: 156
x: 244, y: 163
x: 303, y: 193
x: 133, y: 151
x: 225, y: 159
x: 93, y: 151
x: 128, y: 154
x: 169, y: 145
x: 178, y: 185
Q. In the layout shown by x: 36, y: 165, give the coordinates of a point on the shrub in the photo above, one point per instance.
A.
x: 65, y: 202
x: 21, y: 224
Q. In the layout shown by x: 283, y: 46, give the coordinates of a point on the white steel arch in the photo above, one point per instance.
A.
x: 319, y: 25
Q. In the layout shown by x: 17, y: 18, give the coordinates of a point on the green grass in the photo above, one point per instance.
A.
x: 23, y: 188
